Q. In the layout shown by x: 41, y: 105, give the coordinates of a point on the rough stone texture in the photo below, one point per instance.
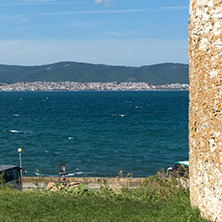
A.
x: 205, y: 109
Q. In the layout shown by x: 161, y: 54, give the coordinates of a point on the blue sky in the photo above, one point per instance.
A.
x: 114, y: 32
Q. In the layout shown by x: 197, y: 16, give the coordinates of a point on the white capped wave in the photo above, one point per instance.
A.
x: 15, y: 114
x: 121, y: 115
x: 76, y: 173
x: 14, y: 131
x: 70, y: 138
x: 39, y: 174
x: 70, y: 174
x: 17, y: 131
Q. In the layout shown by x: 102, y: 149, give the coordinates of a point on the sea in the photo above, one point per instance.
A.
x: 95, y: 134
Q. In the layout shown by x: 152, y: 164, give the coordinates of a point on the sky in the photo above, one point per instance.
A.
x: 112, y: 32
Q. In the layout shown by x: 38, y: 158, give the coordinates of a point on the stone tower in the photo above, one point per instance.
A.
x: 205, y: 108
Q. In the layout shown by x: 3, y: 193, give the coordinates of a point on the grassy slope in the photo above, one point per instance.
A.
x: 34, y: 206
x: 83, y: 72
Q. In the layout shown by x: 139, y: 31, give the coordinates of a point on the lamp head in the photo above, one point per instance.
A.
x: 62, y: 169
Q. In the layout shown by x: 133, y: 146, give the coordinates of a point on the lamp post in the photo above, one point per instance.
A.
x: 20, y: 160
x: 62, y: 173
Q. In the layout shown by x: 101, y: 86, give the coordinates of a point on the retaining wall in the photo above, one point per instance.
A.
x: 90, y: 182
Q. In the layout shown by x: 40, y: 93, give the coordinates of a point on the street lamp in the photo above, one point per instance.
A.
x: 62, y: 173
x: 20, y: 160
x: 62, y: 169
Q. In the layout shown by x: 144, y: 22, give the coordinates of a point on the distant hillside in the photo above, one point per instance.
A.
x: 84, y: 72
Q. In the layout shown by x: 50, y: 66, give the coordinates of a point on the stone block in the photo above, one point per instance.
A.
x: 205, y: 107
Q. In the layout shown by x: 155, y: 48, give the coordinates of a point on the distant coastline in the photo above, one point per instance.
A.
x: 159, y: 74
x: 88, y: 86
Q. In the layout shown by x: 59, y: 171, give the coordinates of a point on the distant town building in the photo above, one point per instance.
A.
x: 89, y: 86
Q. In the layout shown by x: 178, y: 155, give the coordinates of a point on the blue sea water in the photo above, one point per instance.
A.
x: 94, y: 133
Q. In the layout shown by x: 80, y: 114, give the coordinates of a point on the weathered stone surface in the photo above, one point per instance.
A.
x: 68, y: 186
x: 205, y: 108
x: 51, y: 186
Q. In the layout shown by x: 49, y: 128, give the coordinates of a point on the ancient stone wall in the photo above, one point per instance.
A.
x: 205, y: 108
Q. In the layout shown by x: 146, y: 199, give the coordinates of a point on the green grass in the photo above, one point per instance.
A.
x: 156, y: 200
x: 34, y: 206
